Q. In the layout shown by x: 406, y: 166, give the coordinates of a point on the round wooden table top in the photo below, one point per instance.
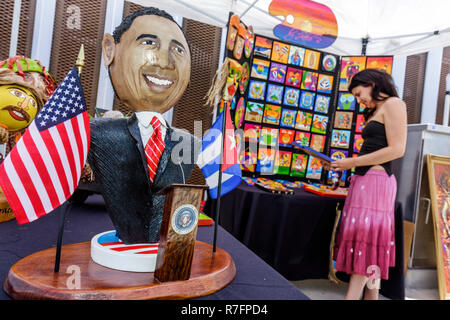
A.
x: 80, y: 278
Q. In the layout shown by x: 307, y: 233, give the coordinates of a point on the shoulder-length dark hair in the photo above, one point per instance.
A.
x: 381, y: 83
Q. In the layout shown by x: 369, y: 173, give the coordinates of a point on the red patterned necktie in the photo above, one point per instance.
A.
x: 154, y: 149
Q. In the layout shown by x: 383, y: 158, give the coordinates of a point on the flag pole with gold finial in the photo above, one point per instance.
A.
x: 65, y: 206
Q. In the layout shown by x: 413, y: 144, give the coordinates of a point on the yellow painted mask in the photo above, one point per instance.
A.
x: 18, y: 107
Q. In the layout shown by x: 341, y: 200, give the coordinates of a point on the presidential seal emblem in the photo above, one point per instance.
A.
x: 184, y: 219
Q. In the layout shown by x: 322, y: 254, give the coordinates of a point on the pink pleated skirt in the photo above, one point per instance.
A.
x: 365, y: 241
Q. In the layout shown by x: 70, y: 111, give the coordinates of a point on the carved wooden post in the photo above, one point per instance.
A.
x: 178, y: 232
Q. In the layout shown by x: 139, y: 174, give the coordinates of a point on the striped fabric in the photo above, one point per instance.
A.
x: 42, y: 171
x: 154, y: 149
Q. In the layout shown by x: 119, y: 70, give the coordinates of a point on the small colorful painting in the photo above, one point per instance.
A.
x: 309, y: 80
x: 325, y: 83
x: 248, y: 161
x: 296, y: 55
x: 360, y: 123
x: 282, y: 162
x: 272, y: 114
x: 307, y: 100
x: 291, y: 97
x: 269, y: 136
x: 343, y: 120
x: 277, y: 72
x: 286, y: 137
x: 382, y: 63
x: 280, y: 52
x: 340, y: 138
x: 257, y: 89
x: 322, y: 103
x: 299, y: 162
x: 338, y: 154
x: 263, y: 47
x: 346, y: 101
x: 358, y: 142
x: 274, y: 93
x: 303, y: 121
x: 302, y: 137
x: 312, y: 59
x: 254, y: 111
x: 288, y: 118
x: 251, y: 132
x: 293, y: 77
x: 266, y: 159
x: 319, y: 124
x: 349, y: 67
x: 329, y: 62
x: 317, y: 142
x: 240, y: 112
x: 314, y: 168
x: 260, y: 69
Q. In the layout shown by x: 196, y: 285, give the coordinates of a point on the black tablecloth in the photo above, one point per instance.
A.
x: 292, y: 233
x: 255, y: 280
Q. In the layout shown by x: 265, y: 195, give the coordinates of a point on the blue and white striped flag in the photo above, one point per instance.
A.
x: 209, y: 158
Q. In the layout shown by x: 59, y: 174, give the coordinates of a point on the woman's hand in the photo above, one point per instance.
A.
x: 342, y: 164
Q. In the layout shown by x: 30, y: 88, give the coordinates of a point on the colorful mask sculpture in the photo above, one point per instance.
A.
x: 24, y: 88
x: 18, y: 107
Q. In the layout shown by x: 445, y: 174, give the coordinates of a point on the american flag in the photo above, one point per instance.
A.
x: 43, y: 169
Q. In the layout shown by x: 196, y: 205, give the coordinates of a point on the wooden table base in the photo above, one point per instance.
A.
x: 80, y: 278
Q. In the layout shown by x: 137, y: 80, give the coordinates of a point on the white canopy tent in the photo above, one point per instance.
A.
x: 390, y: 27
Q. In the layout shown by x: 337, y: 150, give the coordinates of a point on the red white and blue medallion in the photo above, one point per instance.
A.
x: 109, y: 251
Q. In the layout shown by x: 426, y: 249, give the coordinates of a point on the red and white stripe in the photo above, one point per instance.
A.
x: 131, y: 249
x: 44, y: 168
x: 154, y: 149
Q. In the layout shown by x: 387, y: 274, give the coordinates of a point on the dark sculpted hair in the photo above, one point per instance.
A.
x: 381, y: 83
x: 128, y: 21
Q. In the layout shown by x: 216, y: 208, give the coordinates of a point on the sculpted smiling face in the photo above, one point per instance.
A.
x: 150, y: 67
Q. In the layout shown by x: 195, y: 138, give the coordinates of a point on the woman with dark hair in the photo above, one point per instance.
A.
x: 365, y: 243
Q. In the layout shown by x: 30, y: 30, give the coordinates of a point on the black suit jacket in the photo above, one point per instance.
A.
x: 117, y: 158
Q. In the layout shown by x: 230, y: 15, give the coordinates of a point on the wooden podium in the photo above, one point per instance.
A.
x: 178, y: 231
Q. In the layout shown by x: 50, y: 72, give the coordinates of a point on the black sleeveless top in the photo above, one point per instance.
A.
x: 374, y: 135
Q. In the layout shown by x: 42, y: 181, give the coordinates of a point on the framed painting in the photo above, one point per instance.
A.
x: 263, y: 47
x: 277, y: 72
x: 286, y: 137
x: 309, y: 80
x: 280, y: 52
x: 382, y: 63
x: 293, y: 77
x: 272, y: 114
x: 274, y: 94
x: 257, y: 90
x: 349, y: 67
x: 439, y: 184
x: 288, y: 118
x: 325, y: 83
x: 298, y: 165
x: 343, y: 120
x: 322, y: 103
x: 260, y: 69
x: 291, y: 97
x: 312, y: 59
x: 282, y: 162
x: 296, y: 55
x: 303, y: 120
x: 254, y: 111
